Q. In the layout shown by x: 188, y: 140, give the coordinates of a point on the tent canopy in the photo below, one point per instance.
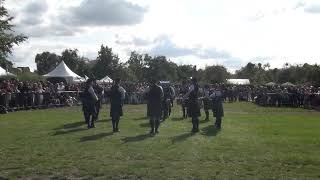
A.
x: 63, y: 71
x: 238, y: 81
x: 106, y: 79
x: 271, y: 84
x: 3, y: 72
x: 288, y: 84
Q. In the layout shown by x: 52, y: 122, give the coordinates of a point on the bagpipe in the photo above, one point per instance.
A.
x: 202, y: 101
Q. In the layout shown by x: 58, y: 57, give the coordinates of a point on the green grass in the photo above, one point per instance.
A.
x: 255, y: 143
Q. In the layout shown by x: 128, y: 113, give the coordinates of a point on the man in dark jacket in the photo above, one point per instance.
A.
x: 217, y: 107
x: 154, y: 96
x: 117, y: 95
x: 89, y: 99
x: 100, y: 93
x: 193, y: 104
x: 184, y: 101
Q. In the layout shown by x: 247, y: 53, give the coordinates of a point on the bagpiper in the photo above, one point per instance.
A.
x: 117, y: 96
x: 193, y: 104
x: 89, y: 100
x: 154, y: 96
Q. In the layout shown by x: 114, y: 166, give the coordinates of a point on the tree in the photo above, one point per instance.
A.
x: 136, y: 65
x: 106, y: 64
x: 160, y: 68
x: 46, y: 62
x: 72, y: 59
x: 184, y: 72
x: 84, y: 68
x: 7, y: 36
x: 215, y: 74
x: 5, y: 64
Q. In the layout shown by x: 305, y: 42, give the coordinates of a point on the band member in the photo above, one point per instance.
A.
x: 100, y: 93
x: 166, y: 104
x: 217, y: 107
x: 117, y: 95
x: 193, y: 104
x: 207, y: 103
x: 172, y: 96
x: 154, y: 96
x: 89, y: 100
x: 184, y: 101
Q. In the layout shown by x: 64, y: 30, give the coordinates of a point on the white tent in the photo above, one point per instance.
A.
x: 3, y: 72
x: 238, y: 81
x: 106, y: 79
x: 63, y: 71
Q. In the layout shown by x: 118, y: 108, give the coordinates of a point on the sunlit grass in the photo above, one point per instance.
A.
x: 255, y: 143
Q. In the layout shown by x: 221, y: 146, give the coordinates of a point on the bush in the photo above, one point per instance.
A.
x: 29, y: 76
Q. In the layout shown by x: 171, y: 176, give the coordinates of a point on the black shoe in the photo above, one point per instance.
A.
x: 114, y: 130
x: 157, y: 132
x: 117, y: 130
x: 152, y: 132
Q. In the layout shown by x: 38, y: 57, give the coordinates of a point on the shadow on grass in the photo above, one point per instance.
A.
x: 210, y: 131
x: 71, y: 125
x: 147, y: 124
x: 204, y: 121
x: 177, y: 118
x: 104, y: 120
x: 95, y: 137
x: 181, y: 137
x: 62, y: 132
x: 140, y: 118
x: 136, y: 138
x: 78, y: 124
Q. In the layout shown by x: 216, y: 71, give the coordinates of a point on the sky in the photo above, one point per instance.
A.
x: 207, y: 32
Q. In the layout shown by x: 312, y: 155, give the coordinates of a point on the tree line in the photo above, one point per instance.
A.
x: 138, y: 68
x: 141, y: 67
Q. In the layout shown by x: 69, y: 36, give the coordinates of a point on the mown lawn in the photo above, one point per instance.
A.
x: 255, y: 143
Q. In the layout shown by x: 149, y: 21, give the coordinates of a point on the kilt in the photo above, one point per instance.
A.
x: 207, y: 103
x: 179, y: 101
x: 116, y: 110
x: 194, y: 109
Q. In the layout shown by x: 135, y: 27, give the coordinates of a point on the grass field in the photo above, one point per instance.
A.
x: 255, y: 143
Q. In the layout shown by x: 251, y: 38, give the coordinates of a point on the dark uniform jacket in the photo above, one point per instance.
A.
x: 217, y: 104
x: 193, y: 102
x: 154, y: 97
x: 116, y: 100
x: 88, y: 101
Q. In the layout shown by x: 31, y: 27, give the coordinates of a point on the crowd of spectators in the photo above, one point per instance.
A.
x: 17, y: 95
x: 276, y: 95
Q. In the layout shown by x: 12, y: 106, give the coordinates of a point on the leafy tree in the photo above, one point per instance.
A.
x: 216, y: 74
x: 136, y: 65
x: 4, y: 63
x: 184, y: 72
x: 7, y: 36
x: 84, y: 68
x: 71, y: 58
x: 106, y: 64
x: 160, y: 68
x: 46, y: 62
